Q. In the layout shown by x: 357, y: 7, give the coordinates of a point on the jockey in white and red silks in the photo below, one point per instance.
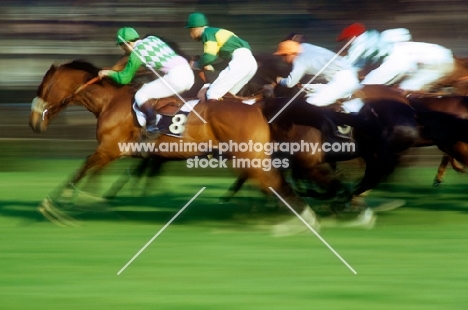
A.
x: 411, y: 65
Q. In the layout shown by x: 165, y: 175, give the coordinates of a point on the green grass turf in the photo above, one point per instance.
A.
x: 216, y: 257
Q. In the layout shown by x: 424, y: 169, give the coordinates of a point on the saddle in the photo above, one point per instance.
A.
x: 248, y: 100
x: 254, y: 98
x: 167, y: 106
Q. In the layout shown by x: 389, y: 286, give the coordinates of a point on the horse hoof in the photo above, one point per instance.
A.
x: 296, y: 226
x: 390, y: 205
x: 436, y: 183
x: 223, y: 200
x: 53, y: 214
x: 364, y: 220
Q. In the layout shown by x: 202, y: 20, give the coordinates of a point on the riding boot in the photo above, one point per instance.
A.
x: 152, y: 131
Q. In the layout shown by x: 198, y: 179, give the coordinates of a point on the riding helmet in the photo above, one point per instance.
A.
x: 353, y: 30
x: 127, y: 34
x: 196, y: 19
x: 288, y: 47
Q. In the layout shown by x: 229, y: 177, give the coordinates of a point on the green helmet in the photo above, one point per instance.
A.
x: 196, y: 20
x: 127, y: 34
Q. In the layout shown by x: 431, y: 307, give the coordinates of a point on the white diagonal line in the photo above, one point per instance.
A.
x: 160, y: 231
x: 159, y: 76
x: 312, y: 79
x: 313, y: 230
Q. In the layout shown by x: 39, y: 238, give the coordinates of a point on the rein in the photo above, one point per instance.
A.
x: 92, y: 81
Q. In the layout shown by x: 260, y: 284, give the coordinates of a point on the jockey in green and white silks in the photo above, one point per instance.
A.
x: 153, y: 53
x: 225, y: 44
x: 414, y: 66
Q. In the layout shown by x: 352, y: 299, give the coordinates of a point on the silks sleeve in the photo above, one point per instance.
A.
x: 210, y: 53
x: 126, y: 75
x: 294, y: 77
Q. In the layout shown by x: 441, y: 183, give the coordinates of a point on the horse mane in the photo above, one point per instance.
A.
x: 77, y: 64
x: 84, y: 65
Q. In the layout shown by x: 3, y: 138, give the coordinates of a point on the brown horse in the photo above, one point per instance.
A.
x: 391, y: 124
x: 310, y: 167
x: 456, y: 152
x: 456, y: 83
x: 116, y: 123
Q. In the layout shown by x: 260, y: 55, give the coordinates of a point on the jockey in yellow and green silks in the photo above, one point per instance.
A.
x: 225, y: 44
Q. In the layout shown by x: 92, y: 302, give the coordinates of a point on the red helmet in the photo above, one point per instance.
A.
x: 353, y: 30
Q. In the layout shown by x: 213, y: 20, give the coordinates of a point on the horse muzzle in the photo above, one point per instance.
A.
x: 38, y: 118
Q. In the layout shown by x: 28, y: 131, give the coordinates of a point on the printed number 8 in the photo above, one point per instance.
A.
x: 178, y: 123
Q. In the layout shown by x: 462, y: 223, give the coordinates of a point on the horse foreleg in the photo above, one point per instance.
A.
x: 273, y: 184
x: 47, y: 207
x: 93, y: 164
x: 376, y: 169
x: 233, y: 189
x: 441, y: 170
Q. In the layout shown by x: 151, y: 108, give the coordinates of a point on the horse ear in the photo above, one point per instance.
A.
x: 52, y: 69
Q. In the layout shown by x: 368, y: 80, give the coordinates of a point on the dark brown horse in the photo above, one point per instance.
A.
x: 456, y: 83
x: 308, y: 166
x: 382, y: 131
x: 456, y: 152
x: 116, y: 123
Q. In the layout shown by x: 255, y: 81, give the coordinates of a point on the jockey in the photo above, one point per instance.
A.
x: 224, y: 44
x: 415, y: 66
x: 369, y: 46
x: 311, y: 59
x: 157, y: 55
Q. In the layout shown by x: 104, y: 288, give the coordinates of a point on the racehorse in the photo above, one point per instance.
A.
x: 112, y: 105
x: 456, y: 151
x: 306, y: 165
x: 456, y: 84
x: 455, y: 105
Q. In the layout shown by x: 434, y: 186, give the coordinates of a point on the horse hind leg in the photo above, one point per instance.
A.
x: 149, y: 166
x: 272, y: 183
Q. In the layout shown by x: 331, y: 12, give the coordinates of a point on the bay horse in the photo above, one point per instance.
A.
x: 112, y: 105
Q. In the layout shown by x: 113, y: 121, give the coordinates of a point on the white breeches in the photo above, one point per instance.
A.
x: 414, y: 69
x: 176, y: 81
x: 239, y: 71
x: 343, y: 84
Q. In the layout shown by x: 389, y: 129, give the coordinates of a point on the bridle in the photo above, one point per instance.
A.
x: 39, y: 105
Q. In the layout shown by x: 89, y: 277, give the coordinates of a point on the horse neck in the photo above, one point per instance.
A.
x: 94, y: 101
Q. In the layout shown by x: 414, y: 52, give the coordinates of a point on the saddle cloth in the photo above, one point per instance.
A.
x: 164, y: 121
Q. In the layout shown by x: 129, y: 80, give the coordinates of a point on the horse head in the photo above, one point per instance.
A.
x: 56, y: 89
